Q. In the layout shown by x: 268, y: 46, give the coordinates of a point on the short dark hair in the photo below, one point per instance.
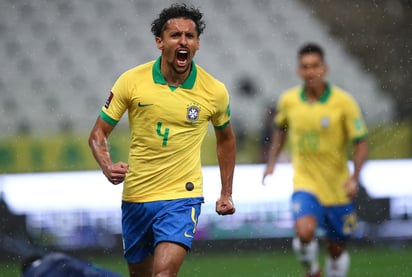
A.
x: 177, y: 11
x: 311, y: 48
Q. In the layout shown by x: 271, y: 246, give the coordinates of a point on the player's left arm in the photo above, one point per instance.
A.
x: 226, y: 155
x: 359, y: 157
x: 357, y: 131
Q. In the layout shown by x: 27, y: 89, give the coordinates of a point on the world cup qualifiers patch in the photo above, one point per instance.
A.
x: 193, y: 110
x: 109, y: 99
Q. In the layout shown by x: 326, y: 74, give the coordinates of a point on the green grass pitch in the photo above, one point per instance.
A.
x: 382, y: 261
x: 375, y: 261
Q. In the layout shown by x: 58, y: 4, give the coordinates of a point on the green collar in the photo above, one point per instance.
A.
x: 325, y: 96
x: 159, y: 79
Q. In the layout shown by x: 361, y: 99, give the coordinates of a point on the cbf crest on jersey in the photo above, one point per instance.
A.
x: 325, y: 122
x: 193, y: 110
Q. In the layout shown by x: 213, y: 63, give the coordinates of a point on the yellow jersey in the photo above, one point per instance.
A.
x: 319, y: 133
x: 167, y: 126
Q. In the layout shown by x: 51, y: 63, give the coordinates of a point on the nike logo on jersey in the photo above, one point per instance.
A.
x: 143, y: 105
x: 187, y: 235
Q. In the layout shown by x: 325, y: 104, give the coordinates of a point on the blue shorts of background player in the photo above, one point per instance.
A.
x: 146, y: 224
x: 338, y: 221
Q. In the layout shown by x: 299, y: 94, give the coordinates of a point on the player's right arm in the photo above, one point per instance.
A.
x: 98, y: 143
x: 278, y: 141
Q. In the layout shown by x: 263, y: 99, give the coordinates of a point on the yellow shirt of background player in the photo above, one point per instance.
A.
x: 168, y: 125
x: 319, y: 133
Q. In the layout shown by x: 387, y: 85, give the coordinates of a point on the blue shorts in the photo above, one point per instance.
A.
x: 339, y: 221
x: 144, y: 225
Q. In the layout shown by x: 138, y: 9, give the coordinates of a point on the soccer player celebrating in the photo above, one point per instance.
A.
x: 320, y: 120
x: 170, y: 102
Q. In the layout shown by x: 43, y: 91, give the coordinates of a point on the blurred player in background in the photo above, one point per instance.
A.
x: 170, y: 102
x: 320, y: 119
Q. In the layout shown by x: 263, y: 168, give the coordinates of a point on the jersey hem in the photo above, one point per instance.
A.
x: 158, y: 198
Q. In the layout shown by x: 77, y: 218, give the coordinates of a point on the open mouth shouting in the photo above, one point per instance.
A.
x: 182, y: 57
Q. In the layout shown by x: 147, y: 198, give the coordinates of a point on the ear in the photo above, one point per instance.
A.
x: 159, y: 43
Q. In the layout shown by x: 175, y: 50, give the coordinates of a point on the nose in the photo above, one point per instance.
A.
x: 311, y: 72
x: 183, y: 40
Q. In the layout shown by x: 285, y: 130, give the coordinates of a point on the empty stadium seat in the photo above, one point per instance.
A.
x: 60, y: 58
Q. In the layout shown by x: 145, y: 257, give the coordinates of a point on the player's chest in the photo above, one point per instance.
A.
x: 316, y: 117
x: 179, y: 106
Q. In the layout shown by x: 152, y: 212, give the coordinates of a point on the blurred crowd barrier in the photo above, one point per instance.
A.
x: 55, y: 153
x: 72, y: 210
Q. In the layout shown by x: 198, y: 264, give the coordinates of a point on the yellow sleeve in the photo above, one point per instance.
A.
x: 280, y: 119
x: 117, y: 102
x: 354, y: 122
x: 222, y: 116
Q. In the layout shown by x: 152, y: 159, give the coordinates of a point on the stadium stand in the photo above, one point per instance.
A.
x: 60, y: 58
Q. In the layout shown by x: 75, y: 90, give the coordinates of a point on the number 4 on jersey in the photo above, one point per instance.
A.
x: 165, y: 135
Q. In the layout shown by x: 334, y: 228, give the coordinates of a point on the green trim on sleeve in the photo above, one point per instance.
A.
x: 359, y: 139
x: 108, y: 119
x: 283, y: 127
x: 222, y: 126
